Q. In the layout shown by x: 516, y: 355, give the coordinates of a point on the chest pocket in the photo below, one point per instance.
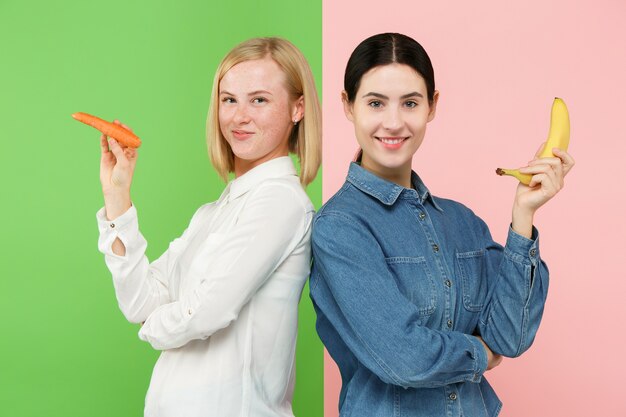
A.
x: 471, y: 268
x: 414, y: 281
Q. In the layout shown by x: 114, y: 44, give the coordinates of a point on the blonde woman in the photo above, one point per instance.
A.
x: 221, y: 302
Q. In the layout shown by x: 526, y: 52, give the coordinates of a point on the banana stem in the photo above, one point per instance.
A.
x: 523, y: 178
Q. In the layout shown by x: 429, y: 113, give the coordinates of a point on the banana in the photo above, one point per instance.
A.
x: 558, y: 137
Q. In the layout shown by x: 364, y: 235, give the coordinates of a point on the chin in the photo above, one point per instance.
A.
x: 394, y: 163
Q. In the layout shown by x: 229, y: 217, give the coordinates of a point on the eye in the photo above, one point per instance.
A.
x: 259, y: 100
x: 410, y: 104
x: 228, y: 100
x: 375, y: 103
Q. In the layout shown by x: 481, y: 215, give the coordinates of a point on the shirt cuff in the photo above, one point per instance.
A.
x: 480, y: 358
x: 124, y: 221
x: 521, y: 249
x: 125, y: 227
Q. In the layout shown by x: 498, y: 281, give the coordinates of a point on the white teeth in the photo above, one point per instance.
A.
x: 391, y: 141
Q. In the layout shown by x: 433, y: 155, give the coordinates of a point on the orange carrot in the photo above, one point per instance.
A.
x: 124, y: 136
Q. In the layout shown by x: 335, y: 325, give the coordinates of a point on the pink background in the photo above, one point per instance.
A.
x: 498, y: 66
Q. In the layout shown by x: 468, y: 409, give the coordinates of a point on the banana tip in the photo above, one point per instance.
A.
x: 499, y: 171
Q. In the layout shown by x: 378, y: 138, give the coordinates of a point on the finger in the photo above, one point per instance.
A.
x: 104, y: 144
x: 555, y: 163
x: 547, y: 180
x: 131, y: 155
x: 117, y: 151
x: 535, y: 181
x: 537, y: 168
x: 552, y: 161
x: 566, y: 158
x: 117, y: 122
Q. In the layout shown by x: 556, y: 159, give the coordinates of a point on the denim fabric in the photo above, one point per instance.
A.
x: 401, y: 281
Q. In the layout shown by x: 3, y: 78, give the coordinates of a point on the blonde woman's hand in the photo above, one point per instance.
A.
x: 117, y: 166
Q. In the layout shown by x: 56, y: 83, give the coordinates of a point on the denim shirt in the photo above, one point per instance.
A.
x: 401, y: 281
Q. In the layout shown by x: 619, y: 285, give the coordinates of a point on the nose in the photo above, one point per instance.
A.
x: 241, y: 114
x: 392, y: 120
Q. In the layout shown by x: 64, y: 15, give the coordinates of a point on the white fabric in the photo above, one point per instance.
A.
x: 221, y: 303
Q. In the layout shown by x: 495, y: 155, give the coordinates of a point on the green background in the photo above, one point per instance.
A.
x: 66, y: 349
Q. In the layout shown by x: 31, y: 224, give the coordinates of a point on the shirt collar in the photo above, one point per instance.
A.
x: 387, y: 192
x: 274, y: 168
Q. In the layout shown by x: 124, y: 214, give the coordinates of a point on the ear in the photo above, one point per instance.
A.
x: 298, y: 110
x: 347, y: 106
x: 433, y: 106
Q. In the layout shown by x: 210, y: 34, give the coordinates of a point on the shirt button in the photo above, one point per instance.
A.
x: 422, y: 216
x: 533, y: 252
x: 448, y: 283
x: 449, y: 323
x: 436, y: 248
x: 452, y: 396
x: 112, y: 225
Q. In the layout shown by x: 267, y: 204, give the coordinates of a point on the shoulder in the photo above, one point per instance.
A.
x: 279, y: 202
x: 344, y: 203
x: 341, y: 217
x: 202, y: 212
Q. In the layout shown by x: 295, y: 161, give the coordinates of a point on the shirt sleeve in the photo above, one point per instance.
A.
x: 517, y: 293
x: 269, y: 227
x: 356, y: 292
x: 140, y: 286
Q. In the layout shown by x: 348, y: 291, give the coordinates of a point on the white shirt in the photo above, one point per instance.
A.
x: 222, y: 301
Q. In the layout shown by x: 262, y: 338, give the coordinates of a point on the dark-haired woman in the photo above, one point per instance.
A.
x: 415, y: 301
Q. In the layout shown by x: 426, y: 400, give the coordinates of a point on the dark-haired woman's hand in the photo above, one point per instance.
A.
x: 548, y: 179
x: 493, y: 359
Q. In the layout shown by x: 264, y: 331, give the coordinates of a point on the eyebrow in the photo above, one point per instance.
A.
x: 384, y: 97
x: 254, y: 93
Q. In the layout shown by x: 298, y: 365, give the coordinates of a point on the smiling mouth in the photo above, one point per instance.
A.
x: 391, y: 140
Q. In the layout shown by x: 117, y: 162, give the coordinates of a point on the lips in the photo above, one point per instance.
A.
x: 242, y: 134
x: 393, y: 142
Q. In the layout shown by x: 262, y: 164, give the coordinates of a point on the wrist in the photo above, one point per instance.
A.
x: 522, y: 221
x: 116, y: 204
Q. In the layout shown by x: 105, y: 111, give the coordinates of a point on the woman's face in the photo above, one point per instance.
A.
x: 390, y: 112
x: 256, y: 113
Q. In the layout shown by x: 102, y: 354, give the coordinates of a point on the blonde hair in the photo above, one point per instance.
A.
x: 305, y: 138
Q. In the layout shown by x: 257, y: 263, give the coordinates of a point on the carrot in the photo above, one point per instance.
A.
x: 124, y: 136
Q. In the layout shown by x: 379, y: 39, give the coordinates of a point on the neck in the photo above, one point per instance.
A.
x: 242, y: 165
x: 399, y: 175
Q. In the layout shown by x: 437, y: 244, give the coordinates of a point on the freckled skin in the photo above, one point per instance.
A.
x: 256, y: 113
x: 392, y: 117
